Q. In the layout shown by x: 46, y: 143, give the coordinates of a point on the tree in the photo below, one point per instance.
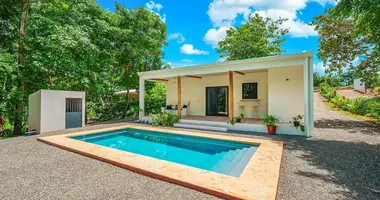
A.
x: 341, y: 47
x: 257, y: 38
x: 365, y: 14
x: 141, y: 35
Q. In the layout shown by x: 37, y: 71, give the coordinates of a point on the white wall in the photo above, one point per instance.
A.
x: 358, y: 85
x: 34, y: 111
x: 251, y: 108
x: 286, y: 97
x: 52, y: 106
x: 194, y: 90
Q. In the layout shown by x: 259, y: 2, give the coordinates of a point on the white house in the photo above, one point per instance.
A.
x: 214, y: 93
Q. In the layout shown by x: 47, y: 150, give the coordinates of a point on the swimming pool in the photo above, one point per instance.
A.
x: 225, y: 157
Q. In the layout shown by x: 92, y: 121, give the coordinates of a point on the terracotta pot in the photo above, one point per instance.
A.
x: 271, y: 130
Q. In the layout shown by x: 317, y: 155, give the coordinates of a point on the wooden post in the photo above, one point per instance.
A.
x: 231, y: 95
x: 179, y: 96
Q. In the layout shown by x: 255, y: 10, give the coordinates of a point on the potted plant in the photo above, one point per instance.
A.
x: 241, y: 116
x: 296, y: 120
x: 270, y: 122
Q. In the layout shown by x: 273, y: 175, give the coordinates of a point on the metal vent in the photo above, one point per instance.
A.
x: 73, y: 105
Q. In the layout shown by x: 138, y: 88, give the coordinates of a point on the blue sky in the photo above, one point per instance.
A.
x: 195, y: 26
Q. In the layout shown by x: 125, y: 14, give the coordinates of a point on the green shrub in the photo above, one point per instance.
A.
x: 270, y: 120
x: 327, y: 91
x: 338, y: 101
x: 155, y: 99
x: 164, y: 119
x: 347, y: 87
x: 110, y: 111
x: 349, y: 106
x: 377, y: 90
x: 323, y: 88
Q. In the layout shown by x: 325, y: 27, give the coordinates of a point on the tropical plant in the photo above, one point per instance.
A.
x: 297, y: 120
x: 164, y: 119
x: 257, y: 38
x: 134, y: 111
x: 232, y: 121
x: 270, y: 120
x: 377, y: 90
x: 350, y: 106
x: 338, y: 101
x: 155, y: 98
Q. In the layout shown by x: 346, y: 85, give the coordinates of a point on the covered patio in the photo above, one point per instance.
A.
x: 216, y: 93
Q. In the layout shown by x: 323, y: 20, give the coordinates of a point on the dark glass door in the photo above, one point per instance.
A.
x: 217, y: 101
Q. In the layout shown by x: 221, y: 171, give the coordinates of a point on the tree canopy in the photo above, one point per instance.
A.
x: 349, y: 38
x: 74, y: 45
x: 257, y: 38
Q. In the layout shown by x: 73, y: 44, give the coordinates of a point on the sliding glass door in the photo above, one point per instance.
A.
x: 217, y: 101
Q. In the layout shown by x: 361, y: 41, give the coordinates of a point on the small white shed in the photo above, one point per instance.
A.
x: 359, y: 85
x: 52, y: 110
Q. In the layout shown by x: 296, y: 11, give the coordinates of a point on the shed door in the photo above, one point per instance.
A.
x: 73, y: 112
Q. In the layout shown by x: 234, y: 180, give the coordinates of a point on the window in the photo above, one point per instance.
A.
x: 249, y: 91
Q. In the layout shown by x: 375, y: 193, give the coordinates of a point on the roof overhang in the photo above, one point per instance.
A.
x: 238, y: 65
x: 131, y: 91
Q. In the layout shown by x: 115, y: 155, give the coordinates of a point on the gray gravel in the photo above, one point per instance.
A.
x: 341, y: 162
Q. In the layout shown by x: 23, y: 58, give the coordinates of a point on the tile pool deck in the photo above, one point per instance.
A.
x: 259, y: 179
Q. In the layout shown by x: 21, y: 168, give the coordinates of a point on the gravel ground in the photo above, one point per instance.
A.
x: 342, y: 161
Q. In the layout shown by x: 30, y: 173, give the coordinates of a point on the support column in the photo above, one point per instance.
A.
x: 231, y: 95
x: 179, y: 96
x: 308, y: 97
x: 141, y: 98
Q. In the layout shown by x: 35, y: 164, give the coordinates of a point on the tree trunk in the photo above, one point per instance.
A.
x: 126, y: 104
x: 21, y: 63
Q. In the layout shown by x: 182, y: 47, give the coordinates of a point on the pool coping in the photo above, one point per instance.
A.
x: 259, y: 179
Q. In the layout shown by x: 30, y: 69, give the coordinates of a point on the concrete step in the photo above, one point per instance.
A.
x: 202, y: 127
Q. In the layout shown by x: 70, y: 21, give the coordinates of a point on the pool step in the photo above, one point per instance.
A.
x: 239, y: 166
x: 233, y: 162
x: 203, y: 125
x: 226, y: 161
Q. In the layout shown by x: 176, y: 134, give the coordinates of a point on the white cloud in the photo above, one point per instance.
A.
x: 223, y: 13
x: 324, y: 2
x: 189, y: 49
x: 319, y: 67
x: 214, y: 35
x: 186, y: 60
x: 178, y: 36
x: 296, y: 27
x: 155, y: 8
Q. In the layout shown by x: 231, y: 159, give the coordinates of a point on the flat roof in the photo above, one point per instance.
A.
x: 131, y: 91
x: 246, y: 64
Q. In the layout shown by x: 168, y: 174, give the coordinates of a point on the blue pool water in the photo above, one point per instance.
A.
x: 223, y: 157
